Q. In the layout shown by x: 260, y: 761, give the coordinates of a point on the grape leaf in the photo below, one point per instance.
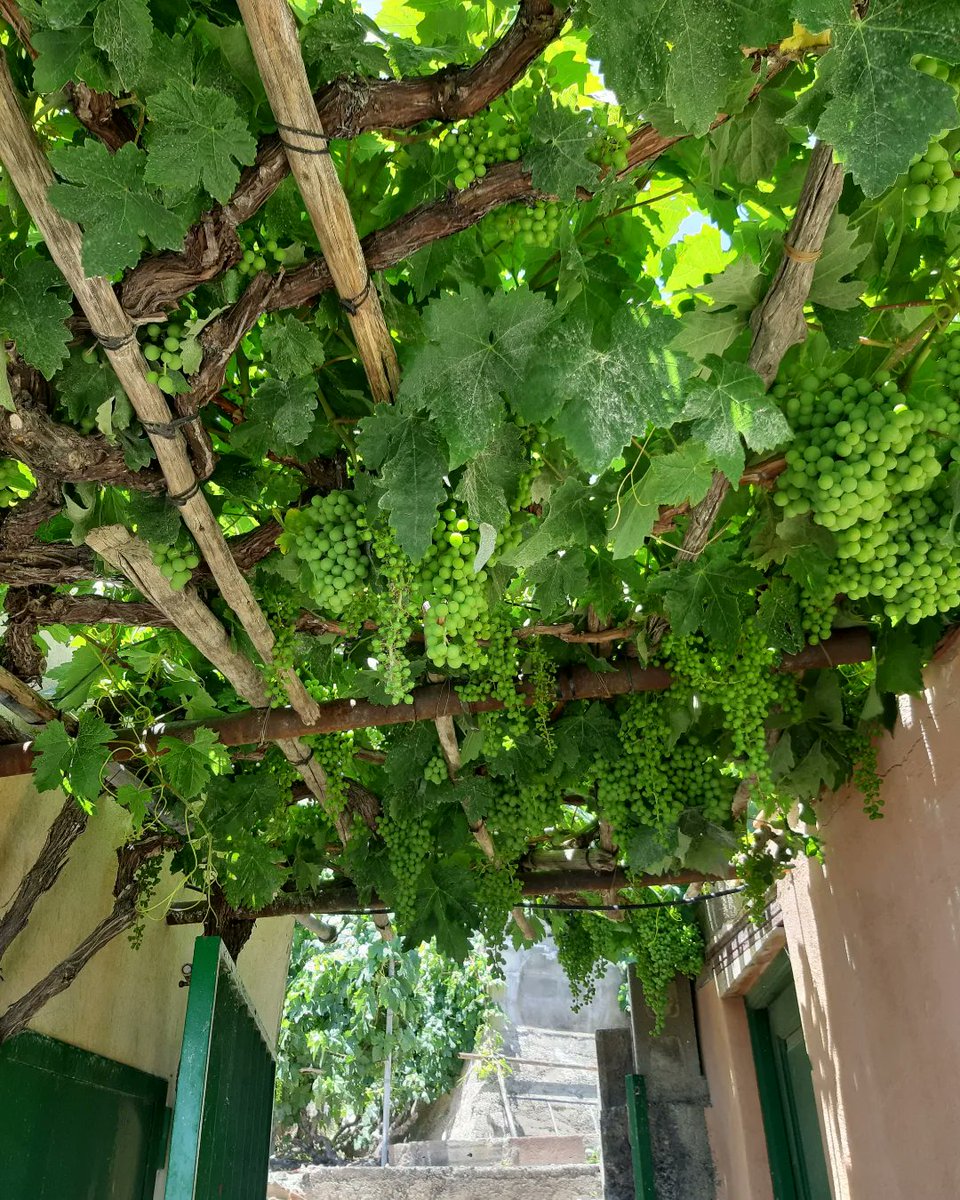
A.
x: 250, y: 873
x: 683, y: 475
x: 585, y: 733
x: 557, y: 154
x: 601, y: 397
x: 754, y: 142
x: 711, y: 330
x: 806, y: 549
x: 76, y: 762
x: 841, y: 256
x: 33, y: 310
x: 197, y: 137
x: 124, y: 29
x: 703, y: 845
x: 900, y: 659
x: 730, y: 407
x: 78, y: 676
x: 335, y: 43
x: 489, y: 483
x: 477, y: 351
x: 687, y: 53
x: 446, y: 909
x: 241, y: 803
x: 188, y: 765
x: 136, y: 800
x: 281, y: 414
x: 293, y: 347
x: 557, y: 580
x: 107, y: 195
x: 71, y: 54
x: 779, y: 616
x: 869, y: 102
x: 406, y: 448
x: 574, y: 517
x: 712, y: 594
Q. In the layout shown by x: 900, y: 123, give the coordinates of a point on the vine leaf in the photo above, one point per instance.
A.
x: 558, y: 579
x: 446, y: 909
x: 407, y: 450
x: 198, y: 138
x: 687, y: 54
x: 124, y: 29
x: 711, y: 594
x: 683, y: 475
x: 107, y: 195
x: 74, y: 762
x: 574, y: 517
x: 188, y: 765
x: 585, y: 733
x: 335, y: 43
x: 900, y: 659
x: 489, y: 484
x: 842, y: 254
x: 92, y: 392
x: 292, y: 346
x: 806, y: 550
x: 712, y: 330
x: 779, y: 616
x: 33, y: 312
x: 602, y: 396
x: 869, y: 102
x: 557, y: 155
x: 754, y: 142
x: 65, y: 54
x: 250, y: 872
x: 476, y: 354
x: 730, y: 407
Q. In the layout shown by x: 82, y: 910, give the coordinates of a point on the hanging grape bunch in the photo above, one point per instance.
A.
x: 534, y: 224
x: 932, y: 183
x: 177, y: 562
x: 162, y: 351
x: 455, y: 594
x: 326, y: 538
x: 259, y: 251
x: 610, y: 147
x: 489, y: 137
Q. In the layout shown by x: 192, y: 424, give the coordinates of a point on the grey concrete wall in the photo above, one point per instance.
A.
x: 437, y: 1183
x: 537, y: 995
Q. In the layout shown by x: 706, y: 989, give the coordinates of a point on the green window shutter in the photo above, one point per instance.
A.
x: 220, y: 1145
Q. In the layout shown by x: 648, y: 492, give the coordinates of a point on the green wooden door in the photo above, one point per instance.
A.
x: 220, y: 1145
x: 785, y: 1082
x: 75, y: 1126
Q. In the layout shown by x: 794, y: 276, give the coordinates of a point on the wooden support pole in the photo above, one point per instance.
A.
x: 31, y: 175
x: 433, y: 700
x: 273, y: 37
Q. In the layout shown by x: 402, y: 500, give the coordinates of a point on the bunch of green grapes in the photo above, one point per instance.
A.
x: 178, y: 561
x: 16, y: 482
x: 656, y: 777
x: 282, y: 611
x: 394, y: 615
x: 495, y: 675
x: 454, y: 595
x: 332, y: 751
x: 162, y: 350
x: 867, y: 463
x: 665, y: 942
x: 490, y: 137
x: 409, y: 844
x: 258, y: 250
x: 740, y: 682
x: 533, y: 224
x: 519, y: 812
x: 326, y: 537
x: 435, y: 770
x: 498, y: 892
x: 932, y: 182
x: 610, y: 148
x: 586, y: 944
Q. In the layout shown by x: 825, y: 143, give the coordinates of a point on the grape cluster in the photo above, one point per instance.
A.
x: 655, y: 777
x: 332, y: 752
x: 932, y: 185
x: 585, y: 948
x: 162, y: 350
x: 867, y: 463
x: 610, y: 148
x: 15, y: 483
x: 498, y: 893
x: 490, y: 137
x: 533, y: 225
x: 177, y: 562
x: 393, y: 616
x: 665, y: 943
x: 327, y: 537
x: 454, y: 594
x: 256, y: 248
x: 519, y: 812
x: 409, y: 842
x: 435, y: 770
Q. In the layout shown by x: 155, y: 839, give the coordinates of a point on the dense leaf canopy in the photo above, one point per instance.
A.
x: 676, y: 391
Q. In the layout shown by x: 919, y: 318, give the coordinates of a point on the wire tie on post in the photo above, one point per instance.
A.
x: 181, y: 498
x: 801, y: 256
x: 308, y: 133
x: 109, y: 342
x: 352, y: 306
x: 168, y: 429
x: 301, y: 762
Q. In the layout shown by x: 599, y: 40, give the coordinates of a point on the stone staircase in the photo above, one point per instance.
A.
x: 438, y: 1183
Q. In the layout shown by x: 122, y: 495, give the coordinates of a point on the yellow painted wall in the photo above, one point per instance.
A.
x: 125, y: 1004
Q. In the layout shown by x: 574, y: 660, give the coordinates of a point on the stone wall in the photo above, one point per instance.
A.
x: 437, y: 1183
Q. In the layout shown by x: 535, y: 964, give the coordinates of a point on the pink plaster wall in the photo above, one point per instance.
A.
x: 740, y: 1156
x: 874, y: 940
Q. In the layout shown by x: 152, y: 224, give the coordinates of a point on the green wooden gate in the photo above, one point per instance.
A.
x: 220, y: 1145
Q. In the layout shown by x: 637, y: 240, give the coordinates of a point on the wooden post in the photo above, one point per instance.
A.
x: 273, y: 36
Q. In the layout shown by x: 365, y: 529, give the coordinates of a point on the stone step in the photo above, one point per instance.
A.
x: 540, y: 1150
x: 437, y: 1183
